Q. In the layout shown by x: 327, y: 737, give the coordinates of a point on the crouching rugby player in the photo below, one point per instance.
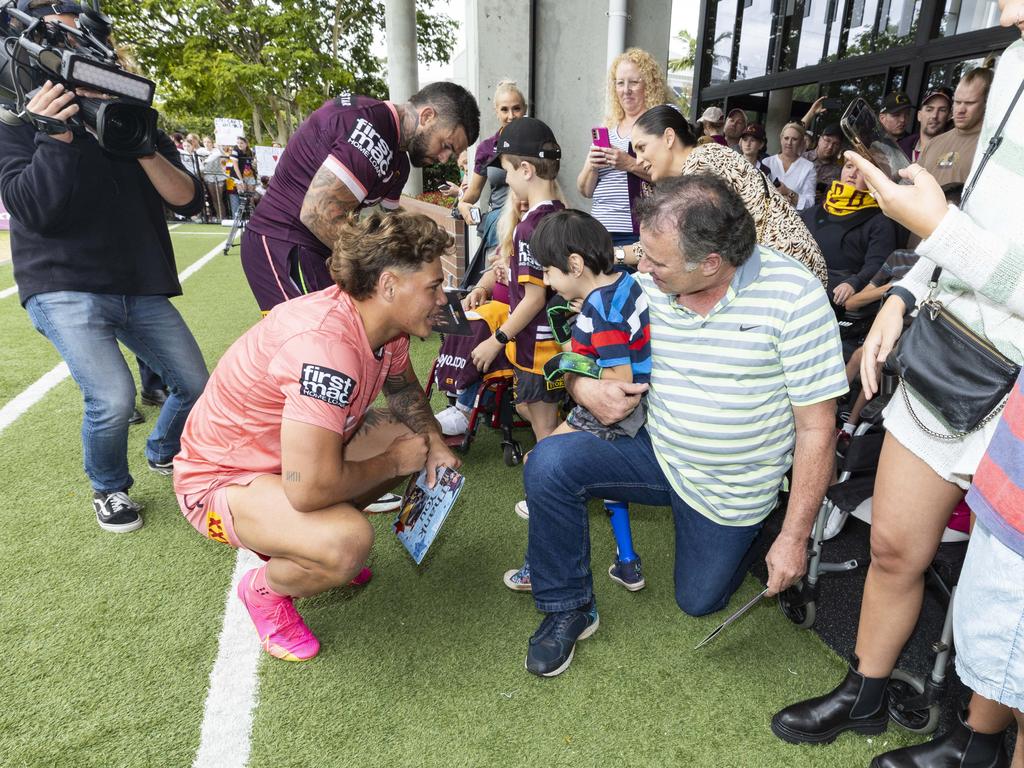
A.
x: 283, y: 450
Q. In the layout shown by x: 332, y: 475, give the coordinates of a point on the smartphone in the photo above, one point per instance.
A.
x: 836, y: 103
x: 862, y: 129
x: 474, y: 215
x: 777, y: 183
x: 599, y: 137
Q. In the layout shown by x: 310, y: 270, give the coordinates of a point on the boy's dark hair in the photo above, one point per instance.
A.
x: 547, y: 167
x: 454, y: 104
x: 570, y: 231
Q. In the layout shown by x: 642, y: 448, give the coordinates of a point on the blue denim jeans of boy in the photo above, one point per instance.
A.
x: 86, y: 328
x: 564, y: 471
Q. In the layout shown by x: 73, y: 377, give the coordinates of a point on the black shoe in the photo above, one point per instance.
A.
x: 553, y: 644
x: 857, y: 704
x: 116, y: 512
x: 153, y: 396
x: 162, y: 467
x: 136, y: 417
x: 962, y: 746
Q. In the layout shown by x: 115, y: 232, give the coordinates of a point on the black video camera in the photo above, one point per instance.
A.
x: 33, y: 51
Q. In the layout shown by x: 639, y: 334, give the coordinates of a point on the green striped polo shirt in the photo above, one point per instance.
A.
x: 723, y: 387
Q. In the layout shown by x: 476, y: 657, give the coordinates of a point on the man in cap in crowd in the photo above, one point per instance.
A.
x: 735, y: 124
x: 932, y: 119
x: 712, y: 122
x: 827, y: 163
x: 895, y: 114
x: 948, y: 156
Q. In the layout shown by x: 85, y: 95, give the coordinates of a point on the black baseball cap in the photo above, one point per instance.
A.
x: 832, y: 129
x: 756, y: 130
x: 896, y: 101
x: 49, y: 9
x: 526, y: 136
x: 943, y: 91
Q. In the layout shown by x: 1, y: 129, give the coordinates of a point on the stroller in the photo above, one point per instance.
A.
x: 453, y: 372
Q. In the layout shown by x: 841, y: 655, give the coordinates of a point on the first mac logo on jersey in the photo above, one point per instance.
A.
x: 326, y: 384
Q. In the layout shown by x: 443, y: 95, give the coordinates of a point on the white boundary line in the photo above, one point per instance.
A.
x: 14, y: 409
x: 8, y: 292
x: 224, y: 740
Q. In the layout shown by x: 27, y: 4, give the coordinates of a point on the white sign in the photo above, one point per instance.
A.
x: 226, y: 131
x: 266, y: 159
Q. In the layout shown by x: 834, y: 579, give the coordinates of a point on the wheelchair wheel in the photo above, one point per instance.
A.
x: 798, y: 610
x: 512, y: 453
x: 904, y: 686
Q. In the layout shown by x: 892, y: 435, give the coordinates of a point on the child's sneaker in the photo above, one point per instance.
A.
x: 628, y: 574
x: 452, y: 420
x: 522, y: 510
x: 363, y: 577
x: 161, y: 467
x: 389, y: 502
x: 116, y: 512
x: 282, y: 632
x: 518, y: 580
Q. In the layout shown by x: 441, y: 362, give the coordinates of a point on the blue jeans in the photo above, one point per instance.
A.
x: 566, y: 470
x: 85, y: 328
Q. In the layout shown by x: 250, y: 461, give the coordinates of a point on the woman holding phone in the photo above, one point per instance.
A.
x: 611, y: 175
x: 509, y: 103
x: 921, y: 477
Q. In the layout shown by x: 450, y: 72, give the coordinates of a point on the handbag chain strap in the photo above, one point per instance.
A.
x: 993, y: 145
x: 955, y: 435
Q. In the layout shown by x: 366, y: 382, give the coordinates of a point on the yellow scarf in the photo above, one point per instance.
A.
x: 844, y: 199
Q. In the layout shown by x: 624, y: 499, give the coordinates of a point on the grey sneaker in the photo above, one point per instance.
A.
x: 161, y: 467
x: 115, y: 512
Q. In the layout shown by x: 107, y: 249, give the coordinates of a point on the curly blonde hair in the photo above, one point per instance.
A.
x: 655, y: 87
x: 400, y: 241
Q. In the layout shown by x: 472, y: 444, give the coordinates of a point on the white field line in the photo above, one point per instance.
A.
x: 234, y: 684
x: 8, y: 292
x: 14, y: 409
x: 174, y: 226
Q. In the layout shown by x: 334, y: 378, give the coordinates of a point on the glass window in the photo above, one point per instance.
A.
x: 949, y: 72
x: 812, y: 34
x: 862, y: 26
x: 870, y: 88
x: 721, y: 43
x: 754, y: 39
x: 878, y: 25
x: 962, y: 16
x: 835, y: 30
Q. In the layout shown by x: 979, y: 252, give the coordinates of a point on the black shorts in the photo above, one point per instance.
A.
x: 533, y: 388
x: 278, y: 270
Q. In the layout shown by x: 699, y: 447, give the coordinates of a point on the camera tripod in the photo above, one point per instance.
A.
x: 241, y: 217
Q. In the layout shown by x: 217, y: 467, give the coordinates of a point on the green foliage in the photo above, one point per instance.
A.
x: 267, y: 62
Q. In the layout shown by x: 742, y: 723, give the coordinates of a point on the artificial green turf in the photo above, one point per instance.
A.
x: 108, y: 640
x: 26, y: 355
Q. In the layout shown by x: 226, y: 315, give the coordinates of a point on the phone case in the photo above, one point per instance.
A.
x: 599, y: 137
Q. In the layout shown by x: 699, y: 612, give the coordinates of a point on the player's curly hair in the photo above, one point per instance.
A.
x: 655, y: 88
x: 398, y: 241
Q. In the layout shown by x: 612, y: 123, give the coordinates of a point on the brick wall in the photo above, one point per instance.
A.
x: 454, y: 264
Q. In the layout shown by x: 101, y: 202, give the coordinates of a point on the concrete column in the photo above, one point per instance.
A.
x: 780, y: 104
x: 403, y: 76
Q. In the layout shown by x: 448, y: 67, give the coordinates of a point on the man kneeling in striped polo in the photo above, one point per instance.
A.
x: 746, y: 367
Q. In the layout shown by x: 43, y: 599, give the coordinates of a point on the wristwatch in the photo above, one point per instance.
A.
x: 501, y: 337
x: 620, y: 256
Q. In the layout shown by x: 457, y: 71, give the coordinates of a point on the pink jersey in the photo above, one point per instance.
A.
x: 308, y: 360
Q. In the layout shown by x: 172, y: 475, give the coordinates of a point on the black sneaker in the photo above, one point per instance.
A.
x: 136, y: 417
x: 554, y: 642
x: 628, y: 574
x: 116, y: 512
x: 153, y: 396
x: 162, y: 467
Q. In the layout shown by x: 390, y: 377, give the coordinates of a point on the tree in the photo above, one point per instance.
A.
x: 270, y: 62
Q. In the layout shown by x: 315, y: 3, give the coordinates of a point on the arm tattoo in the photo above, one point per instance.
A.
x: 327, y: 205
x: 292, y: 477
x: 408, y: 403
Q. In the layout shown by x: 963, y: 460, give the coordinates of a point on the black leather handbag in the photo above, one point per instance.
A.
x: 956, y: 371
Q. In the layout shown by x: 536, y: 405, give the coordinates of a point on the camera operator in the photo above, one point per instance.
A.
x: 94, y: 266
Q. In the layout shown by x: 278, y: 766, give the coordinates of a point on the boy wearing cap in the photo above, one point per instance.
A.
x: 932, y: 118
x: 530, y: 156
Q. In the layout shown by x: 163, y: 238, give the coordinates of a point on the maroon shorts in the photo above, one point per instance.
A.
x: 278, y: 270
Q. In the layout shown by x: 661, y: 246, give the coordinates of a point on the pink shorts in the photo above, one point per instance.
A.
x: 209, y: 512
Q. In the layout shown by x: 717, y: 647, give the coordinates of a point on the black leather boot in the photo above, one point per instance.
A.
x: 857, y: 704
x: 962, y: 747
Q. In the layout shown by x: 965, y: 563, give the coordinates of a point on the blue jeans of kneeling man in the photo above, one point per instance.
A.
x: 564, y: 471
x: 86, y: 328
